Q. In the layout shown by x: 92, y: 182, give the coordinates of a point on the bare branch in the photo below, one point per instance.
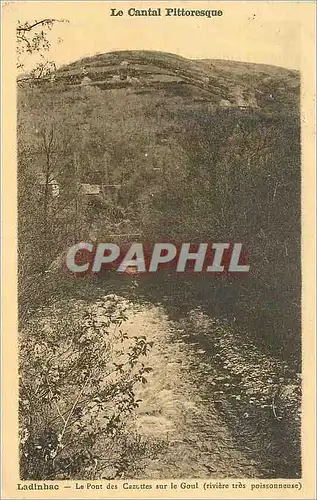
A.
x: 43, y: 22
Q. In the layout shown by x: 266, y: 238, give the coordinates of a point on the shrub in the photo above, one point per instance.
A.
x: 78, y: 373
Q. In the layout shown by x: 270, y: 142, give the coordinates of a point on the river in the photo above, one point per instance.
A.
x: 179, y: 406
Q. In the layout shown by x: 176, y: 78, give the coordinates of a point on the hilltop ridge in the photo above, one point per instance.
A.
x: 220, y: 82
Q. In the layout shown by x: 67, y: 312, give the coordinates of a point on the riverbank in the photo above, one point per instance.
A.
x: 213, y: 405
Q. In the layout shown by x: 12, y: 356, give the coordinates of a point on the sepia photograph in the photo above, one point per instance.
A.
x: 159, y: 246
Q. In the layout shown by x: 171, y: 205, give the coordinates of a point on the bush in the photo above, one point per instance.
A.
x: 78, y: 373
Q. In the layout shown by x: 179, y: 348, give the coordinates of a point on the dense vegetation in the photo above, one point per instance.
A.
x: 186, y: 151
x: 78, y: 390
x: 184, y: 168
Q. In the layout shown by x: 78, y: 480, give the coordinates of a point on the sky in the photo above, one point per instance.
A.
x: 261, y: 32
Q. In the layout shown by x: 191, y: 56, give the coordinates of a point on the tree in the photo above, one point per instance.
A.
x: 32, y: 37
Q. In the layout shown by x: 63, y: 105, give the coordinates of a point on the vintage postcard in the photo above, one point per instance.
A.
x: 158, y: 172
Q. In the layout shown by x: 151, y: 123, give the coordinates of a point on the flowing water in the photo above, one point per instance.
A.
x: 178, y: 406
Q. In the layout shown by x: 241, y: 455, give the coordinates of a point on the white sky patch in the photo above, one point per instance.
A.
x: 250, y: 33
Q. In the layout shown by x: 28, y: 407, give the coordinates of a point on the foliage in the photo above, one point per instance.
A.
x: 77, y: 389
x: 186, y: 170
x: 32, y: 38
x: 242, y: 183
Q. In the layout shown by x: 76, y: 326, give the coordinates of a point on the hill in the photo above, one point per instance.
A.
x: 171, y: 148
x: 224, y: 83
x: 148, y: 146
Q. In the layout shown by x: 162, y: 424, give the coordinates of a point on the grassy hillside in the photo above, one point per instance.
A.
x: 258, y: 85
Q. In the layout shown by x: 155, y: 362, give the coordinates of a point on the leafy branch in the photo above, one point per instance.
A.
x: 32, y: 37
